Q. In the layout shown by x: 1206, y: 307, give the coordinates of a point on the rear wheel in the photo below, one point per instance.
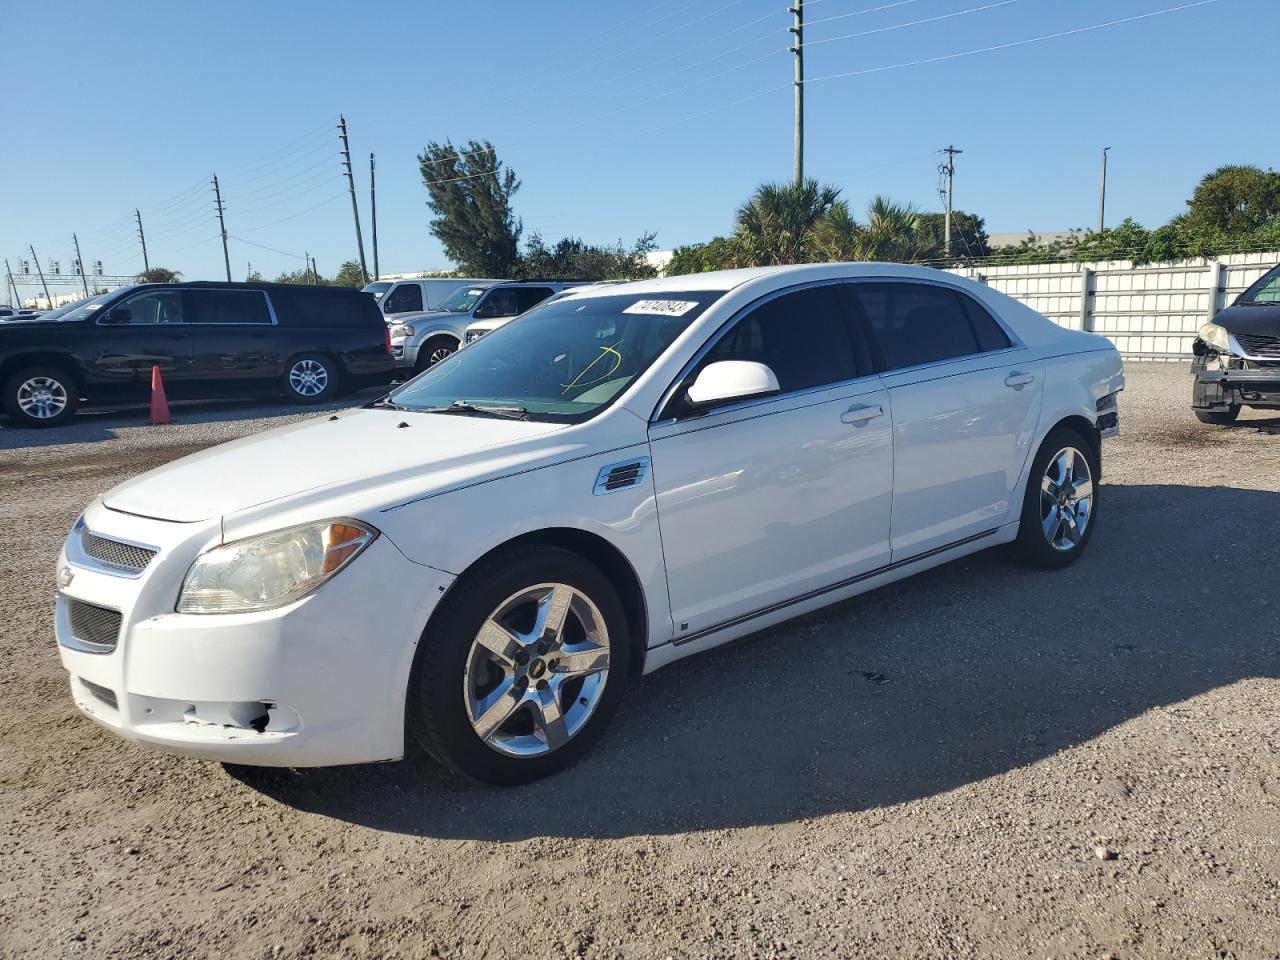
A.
x: 435, y: 350
x: 1223, y: 418
x: 311, y: 378
x: 1059, y: 510
x: 521, y: 668
x: 41, y: 396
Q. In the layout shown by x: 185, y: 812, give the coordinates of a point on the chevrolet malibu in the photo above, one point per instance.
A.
x: 484, y: 560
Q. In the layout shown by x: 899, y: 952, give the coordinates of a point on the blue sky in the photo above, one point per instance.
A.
x: 618, y: 117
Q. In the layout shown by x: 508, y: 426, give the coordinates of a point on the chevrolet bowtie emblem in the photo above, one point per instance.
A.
x: 65, y: 576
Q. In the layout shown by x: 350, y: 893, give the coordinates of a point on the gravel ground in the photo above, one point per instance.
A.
x: 983, y: 761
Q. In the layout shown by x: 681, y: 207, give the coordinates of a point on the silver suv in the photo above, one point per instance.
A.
x: 421, y: 340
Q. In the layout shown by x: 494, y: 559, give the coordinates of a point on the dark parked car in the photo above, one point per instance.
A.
x: 209, y: 339
x: 1237, y: 355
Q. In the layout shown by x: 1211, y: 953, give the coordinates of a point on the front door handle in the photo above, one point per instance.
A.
x: 861, y: 413
x: 1018, y: 380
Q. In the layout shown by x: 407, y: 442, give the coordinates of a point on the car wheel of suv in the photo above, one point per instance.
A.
x: 435, y: 350
x: 1223, y: 418
x: 311, y: 378
x: 521, y: 668
x: 41, y: 396
x: 1060, y: 508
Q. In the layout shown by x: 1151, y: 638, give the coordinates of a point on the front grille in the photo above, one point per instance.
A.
x: 1259, y: 345
x: 96, y: 625
x: 113, y: 553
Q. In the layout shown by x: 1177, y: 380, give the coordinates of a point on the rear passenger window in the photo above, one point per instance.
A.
x: 403, y: 298
x: 527, y: 297
x: 226, y: 306
x: 800, y: 336
x: 914, y: 323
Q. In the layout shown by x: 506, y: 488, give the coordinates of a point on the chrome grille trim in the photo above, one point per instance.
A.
x: 95, y: 629
x: 118, y: 558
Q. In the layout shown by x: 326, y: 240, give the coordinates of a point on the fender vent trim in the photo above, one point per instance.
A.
x: 620, y: 476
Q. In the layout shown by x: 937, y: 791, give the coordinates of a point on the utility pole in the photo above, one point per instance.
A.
x: 797, y: 28
x: 949, y: 171
x: 222, y: 224
x: 373, y: 215
x: 84, y: 280
x: 306, y: 265
x: 17, y: 299
x: 1102, y: 193
x: 48, y: 299
x: 315, y: 276
x: 248, y: 270
x: 142, y: 238
x: 351, y: 185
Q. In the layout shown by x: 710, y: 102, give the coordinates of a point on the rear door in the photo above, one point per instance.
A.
x: 234, y: 338
x: 965, y: 406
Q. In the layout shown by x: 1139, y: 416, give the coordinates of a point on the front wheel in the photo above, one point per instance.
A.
x: 311, y: 378
x: 434, y: 351
x: 521, y: 668
x: 1059, y: 510
x: 41, y: 396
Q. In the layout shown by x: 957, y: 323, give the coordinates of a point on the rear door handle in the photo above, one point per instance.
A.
x: 861, y: 413
x: 1018, y: 380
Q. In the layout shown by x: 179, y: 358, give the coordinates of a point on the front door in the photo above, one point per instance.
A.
x: 764, y: 501
x: 965, y: 406
x: 143, y: 331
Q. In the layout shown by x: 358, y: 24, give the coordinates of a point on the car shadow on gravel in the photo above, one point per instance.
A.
x: 951, y: 677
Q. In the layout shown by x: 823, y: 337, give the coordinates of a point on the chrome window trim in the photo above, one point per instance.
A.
x: 667, y: 395
x: 77, y: 557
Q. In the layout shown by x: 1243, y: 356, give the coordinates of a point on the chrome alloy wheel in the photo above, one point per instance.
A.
x: 1066, y: 499
x: 536, y: 670
x: 438, y: 354
x: 308, y: 378
x: 42, y: 398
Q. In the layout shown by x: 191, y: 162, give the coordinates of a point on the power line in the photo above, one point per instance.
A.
x: 263, y: 246
x: 911, y: 23
x: 858, y: 13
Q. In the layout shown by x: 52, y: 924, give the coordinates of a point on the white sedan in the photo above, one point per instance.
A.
x: 482, y: 561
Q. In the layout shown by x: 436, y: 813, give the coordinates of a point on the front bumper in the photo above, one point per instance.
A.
x: 1219, y: 388
x: 404, y: 352
x: 322, y: 681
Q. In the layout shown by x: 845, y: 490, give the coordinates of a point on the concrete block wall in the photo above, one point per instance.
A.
x: 1147, y: 312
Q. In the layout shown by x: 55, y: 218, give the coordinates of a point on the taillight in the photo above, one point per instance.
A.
x: 387, y: 335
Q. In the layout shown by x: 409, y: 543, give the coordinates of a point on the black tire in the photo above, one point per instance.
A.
x: 41, y: 387
x: 433, y: 351
x: 311, y: 378
x: 1033, y: 545
x: 438, y: 712
x: 1222, y: 418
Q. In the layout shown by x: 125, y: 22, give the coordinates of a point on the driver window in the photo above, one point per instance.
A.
x: 499, y: 303
x: 155, y: 306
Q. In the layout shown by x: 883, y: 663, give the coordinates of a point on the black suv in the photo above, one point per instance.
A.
x: 208, y: 339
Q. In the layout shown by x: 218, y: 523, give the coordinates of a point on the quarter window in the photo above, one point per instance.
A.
x: 916, y: 323
x: 800, y: 336
x: 227, y: 306
x: 404, y: 298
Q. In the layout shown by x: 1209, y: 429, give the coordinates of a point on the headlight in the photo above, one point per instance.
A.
x: 402, y: 330
x: 272, y: 570
x: 1216, y: 337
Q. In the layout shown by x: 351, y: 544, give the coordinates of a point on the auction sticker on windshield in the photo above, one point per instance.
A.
x: 665, y: 308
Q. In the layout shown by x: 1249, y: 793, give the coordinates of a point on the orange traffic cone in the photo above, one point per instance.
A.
x: 159, y: 405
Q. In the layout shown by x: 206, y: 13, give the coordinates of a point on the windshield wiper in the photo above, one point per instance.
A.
x: 386, y: 403
x: 464, y: 406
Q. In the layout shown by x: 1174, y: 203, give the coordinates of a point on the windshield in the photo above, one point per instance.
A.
x: 378, y: 288
x: 560, y: 362
x: 463, y: 299
x: 81, y: 309
x: 1264, y: 291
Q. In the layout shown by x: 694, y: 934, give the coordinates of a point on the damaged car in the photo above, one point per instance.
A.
x: 1237, y: 356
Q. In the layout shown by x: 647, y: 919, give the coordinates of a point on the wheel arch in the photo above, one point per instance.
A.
x: 602, y: 553
x: 12, y: 364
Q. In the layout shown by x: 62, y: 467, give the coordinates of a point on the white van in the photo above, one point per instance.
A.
x: 414, y: 296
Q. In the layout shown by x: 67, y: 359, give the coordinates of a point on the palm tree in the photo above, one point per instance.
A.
x: 776, y: 226
x: 896, y: 233
x: 159, y: 275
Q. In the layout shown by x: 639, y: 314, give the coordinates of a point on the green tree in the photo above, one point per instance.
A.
x: 1235, y: 199
x: 349, y: 275
x: 776, y: 226
x: 969, y: 238
x: 470, y: 192
x: 159, y: 275
x: 573, y: 259
x: 700, y: 257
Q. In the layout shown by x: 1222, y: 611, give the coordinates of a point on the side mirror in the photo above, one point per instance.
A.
x: 118, y: 315
x: 730, y: 380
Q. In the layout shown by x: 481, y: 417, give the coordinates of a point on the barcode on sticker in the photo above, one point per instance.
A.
x: 665, y: 308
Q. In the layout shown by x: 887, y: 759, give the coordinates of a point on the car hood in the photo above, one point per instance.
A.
x: 424, y: 315
x: 356, y: 448
x: 1263, y: 319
